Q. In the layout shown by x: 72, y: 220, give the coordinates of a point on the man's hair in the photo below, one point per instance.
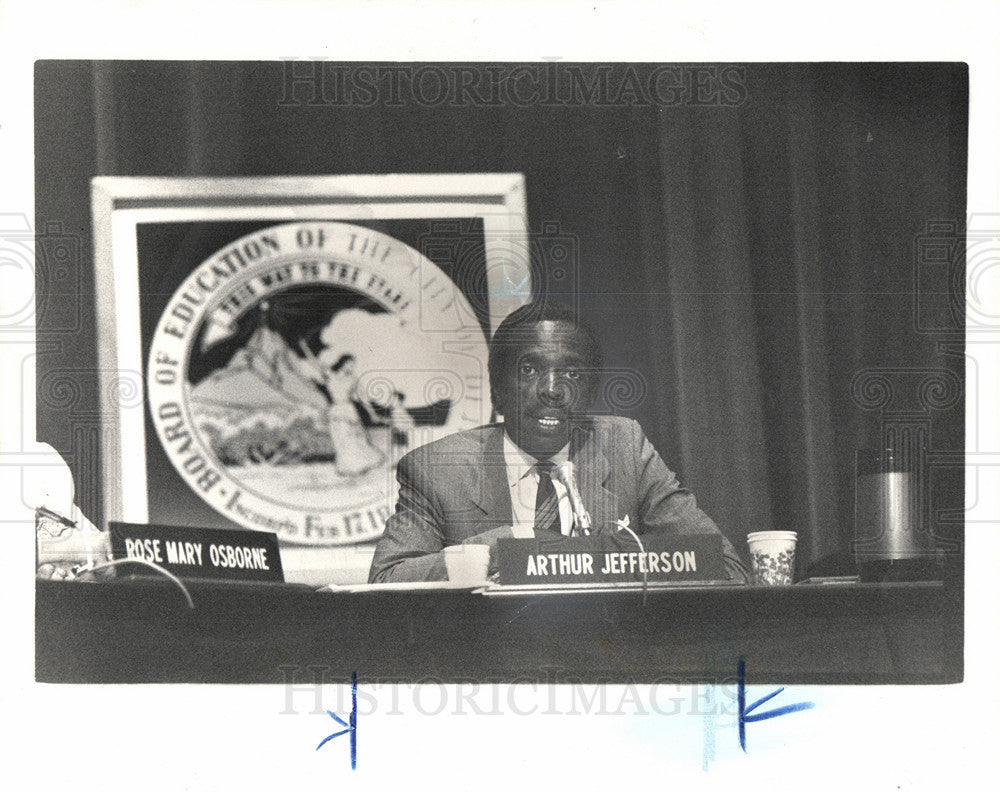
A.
x: 515, y: 331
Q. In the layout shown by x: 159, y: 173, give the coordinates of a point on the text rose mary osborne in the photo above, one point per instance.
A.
x: 191, y: 553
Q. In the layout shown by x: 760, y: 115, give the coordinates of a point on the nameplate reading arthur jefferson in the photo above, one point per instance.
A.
x: 200, y: 553
x: 610, y: 559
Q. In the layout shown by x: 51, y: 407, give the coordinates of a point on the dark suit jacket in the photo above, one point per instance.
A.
x: 455, y: 491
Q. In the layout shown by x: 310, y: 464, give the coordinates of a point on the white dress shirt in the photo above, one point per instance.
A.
x: 522, y: 476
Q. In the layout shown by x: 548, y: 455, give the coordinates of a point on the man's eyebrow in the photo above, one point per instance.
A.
x: 578, y: 359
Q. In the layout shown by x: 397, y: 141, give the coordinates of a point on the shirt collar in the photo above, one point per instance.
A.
x: 520, y: 463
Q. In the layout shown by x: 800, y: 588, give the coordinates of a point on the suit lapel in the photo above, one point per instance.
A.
x: 490, y: 491
x: 593, y: 471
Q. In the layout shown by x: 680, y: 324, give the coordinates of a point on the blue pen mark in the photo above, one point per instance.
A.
x: 744, y: 710
x: 511, y: 289
x: 352, y: 726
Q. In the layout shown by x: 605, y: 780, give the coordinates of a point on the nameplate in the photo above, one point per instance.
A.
x: 610, y: 559
x: 199, y: 553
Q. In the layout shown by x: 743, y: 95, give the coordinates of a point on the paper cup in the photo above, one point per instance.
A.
x: 773, y: 554
x: 467, y: 564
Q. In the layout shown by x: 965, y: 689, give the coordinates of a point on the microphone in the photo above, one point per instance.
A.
x: 567, y: 475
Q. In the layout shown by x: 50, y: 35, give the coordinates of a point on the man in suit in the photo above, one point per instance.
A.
x: 497, y: 481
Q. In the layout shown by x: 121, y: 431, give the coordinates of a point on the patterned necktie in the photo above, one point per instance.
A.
x: 546, y: 502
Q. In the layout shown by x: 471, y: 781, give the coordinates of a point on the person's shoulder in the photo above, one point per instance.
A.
x: 465, y: 443
x: 616, y: 426
x: 614, y: 422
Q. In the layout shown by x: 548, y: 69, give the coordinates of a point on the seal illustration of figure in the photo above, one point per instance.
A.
x: 354, y: 451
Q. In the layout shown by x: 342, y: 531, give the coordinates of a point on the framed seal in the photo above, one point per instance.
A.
x: 274, y: 346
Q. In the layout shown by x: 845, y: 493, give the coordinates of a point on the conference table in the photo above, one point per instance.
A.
x: 142, y: 630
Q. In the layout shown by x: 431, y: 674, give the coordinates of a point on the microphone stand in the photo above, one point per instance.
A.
x: 581, y: 518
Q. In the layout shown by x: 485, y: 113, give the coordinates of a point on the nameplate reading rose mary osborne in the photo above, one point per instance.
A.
x: 200, y: 553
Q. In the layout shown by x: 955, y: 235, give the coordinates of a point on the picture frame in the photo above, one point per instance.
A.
x: 463, y: 239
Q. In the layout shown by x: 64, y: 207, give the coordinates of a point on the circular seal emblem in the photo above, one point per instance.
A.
x: 293, y: 368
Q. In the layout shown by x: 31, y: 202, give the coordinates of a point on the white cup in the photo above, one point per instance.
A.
x: 468, y: 564
x: 773, y: 554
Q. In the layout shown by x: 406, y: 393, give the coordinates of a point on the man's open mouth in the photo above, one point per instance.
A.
x: 549, y: 422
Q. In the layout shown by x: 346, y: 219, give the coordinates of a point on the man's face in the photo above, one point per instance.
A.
x: 548, y: 378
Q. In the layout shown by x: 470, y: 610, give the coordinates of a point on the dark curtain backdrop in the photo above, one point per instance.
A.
x: 742, y: 264
x: 786, y: 238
